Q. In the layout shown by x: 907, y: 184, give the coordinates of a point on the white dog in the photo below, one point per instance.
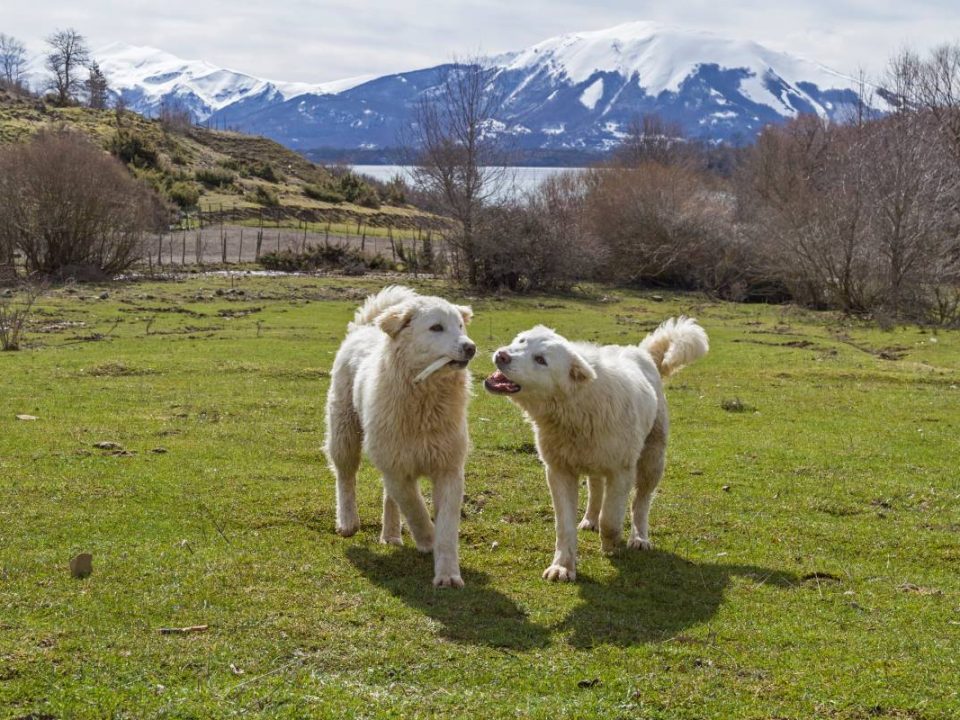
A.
x: 399, y: 389
x: 598, y: 411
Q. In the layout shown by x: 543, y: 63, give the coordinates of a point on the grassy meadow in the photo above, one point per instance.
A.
x: 807, y: 529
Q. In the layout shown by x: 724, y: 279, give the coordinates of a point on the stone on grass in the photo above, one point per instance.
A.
x: 82, y: 565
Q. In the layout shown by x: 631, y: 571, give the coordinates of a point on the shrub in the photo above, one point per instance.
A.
x: 67, y: 205
x: 395, y: 191
x: 265, y: 171
x: 321, y: 256
x: 184, y: 194
x: 14, y: 315
x: 214, y: 178
x: 356, y: 191
x: 323, y: 193
x: 134, y: 149
x: 265, y: 196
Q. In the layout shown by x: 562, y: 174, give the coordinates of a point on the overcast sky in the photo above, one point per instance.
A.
x: 321, y: 40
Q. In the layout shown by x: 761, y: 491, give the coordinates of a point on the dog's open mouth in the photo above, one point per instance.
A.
x: 500, y: 384
x: 459, y: 364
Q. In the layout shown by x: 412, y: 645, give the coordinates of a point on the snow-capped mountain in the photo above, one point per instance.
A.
x: 579, y: 90
x: 146, y: 78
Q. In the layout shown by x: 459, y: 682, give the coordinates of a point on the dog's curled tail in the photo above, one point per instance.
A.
x: 375, y: 305
x: 676, y: 343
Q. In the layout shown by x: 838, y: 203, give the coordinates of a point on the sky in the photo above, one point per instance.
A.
x: 320, y: 40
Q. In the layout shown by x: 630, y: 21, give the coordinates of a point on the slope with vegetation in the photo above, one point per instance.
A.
x: 216, y: 170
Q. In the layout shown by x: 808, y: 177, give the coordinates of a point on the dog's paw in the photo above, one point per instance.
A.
x: 425, y: 546
x: 348, y: 529
x: 398, y: 541
x: 444, y: 580
x: 558, y: 573
x: 638, y: 543
x: 587, y: 524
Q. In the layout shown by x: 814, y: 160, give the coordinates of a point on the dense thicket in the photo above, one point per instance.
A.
x: 67, y: 207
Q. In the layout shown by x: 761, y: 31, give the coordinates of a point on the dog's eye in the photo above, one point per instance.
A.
x: 540, y: 359
x: 437, y: 328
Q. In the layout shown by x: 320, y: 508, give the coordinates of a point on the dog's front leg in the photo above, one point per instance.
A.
x: 612, y: 510
x: 563, y: 489
x: 447, y: 500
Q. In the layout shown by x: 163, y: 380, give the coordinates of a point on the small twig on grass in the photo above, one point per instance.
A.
x: 184, y: 630
x: 216, y: 524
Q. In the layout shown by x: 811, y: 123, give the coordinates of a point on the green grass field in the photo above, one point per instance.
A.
x: 808, y: 546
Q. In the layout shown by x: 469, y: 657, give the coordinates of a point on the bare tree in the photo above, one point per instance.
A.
x: 68, y: 53
x: 13, y: 60
x: 15, y: 309
x: 70, y: 208
x: 649, y: 138
x: 458, y: 152
x: 97, y: 88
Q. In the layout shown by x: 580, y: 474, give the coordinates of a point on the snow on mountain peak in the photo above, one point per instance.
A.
x: 663, y: 56
x: 154, y: 75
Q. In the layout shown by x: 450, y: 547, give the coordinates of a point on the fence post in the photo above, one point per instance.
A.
x: 223, y: 238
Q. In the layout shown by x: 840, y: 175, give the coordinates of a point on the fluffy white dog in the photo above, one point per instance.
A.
x: 598, y: 411
x: 399, y: 390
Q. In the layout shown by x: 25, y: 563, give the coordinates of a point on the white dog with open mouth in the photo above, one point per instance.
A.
x: 598, y: 411
x: 399, y: 389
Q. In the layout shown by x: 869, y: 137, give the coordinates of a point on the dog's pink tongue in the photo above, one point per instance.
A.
x: 500, y: 382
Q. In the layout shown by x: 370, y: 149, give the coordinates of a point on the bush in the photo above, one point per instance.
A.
x: 323, y: 194
x: 134, y: 149
x: 265, y: 171
x: 356, y: 191
x: 65, y: 204
x: 395, y: 192
x: 265, y: 196
x: 184, y: 194
x: 213, y: 178
x: 14, y: 315
x: 321, y: 256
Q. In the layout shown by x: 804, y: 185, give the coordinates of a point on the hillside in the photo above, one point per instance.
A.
x: 217, y: 171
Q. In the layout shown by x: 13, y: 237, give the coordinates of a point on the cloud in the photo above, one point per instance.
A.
x: 300, y: 40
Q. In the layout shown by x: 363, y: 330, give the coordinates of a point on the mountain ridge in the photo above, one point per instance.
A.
x: 577, y: 91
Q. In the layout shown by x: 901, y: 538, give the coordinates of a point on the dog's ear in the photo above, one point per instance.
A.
x: 580, y: 370
x: 395, y: 319
x: 466, y: 312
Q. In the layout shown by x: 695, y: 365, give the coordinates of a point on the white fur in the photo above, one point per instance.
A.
x: 598, y: 411
x: 408, y: 429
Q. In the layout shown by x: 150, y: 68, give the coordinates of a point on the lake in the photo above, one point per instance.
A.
x: 524, y: 178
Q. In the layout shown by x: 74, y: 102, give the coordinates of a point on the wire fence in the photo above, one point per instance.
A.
x: 220, y: 243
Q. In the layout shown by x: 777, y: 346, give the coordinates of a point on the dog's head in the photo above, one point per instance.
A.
x: 539, y: 362
x: 425, y: 330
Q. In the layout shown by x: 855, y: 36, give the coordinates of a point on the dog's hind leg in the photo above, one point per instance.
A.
x: 390, y: 533
x: 405, y: 492
x: 343, y: 445
x: 591, y: 518
x: 649, y: 472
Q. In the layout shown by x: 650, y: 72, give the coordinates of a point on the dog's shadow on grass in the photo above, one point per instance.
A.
x: 476, y: 614
x: 654, y: 597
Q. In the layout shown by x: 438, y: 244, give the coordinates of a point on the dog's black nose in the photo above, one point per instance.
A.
x: 503, y: 357
x: 469, y: 349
